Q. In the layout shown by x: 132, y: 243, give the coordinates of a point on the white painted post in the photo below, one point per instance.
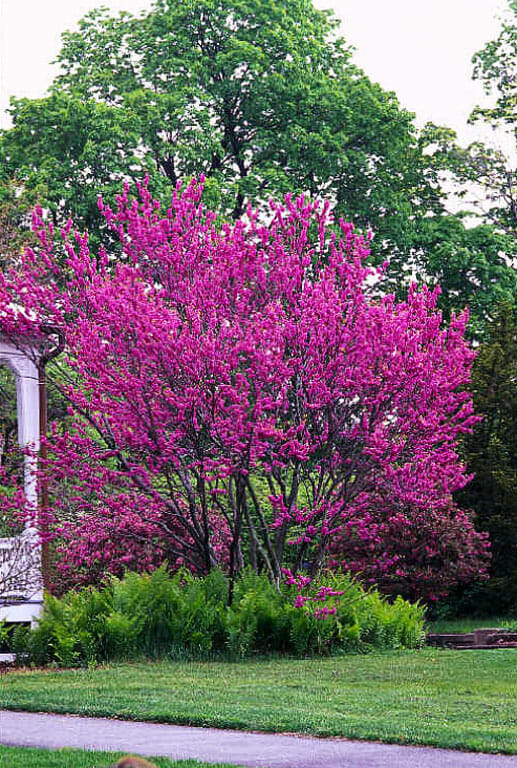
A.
x: 23, y: 363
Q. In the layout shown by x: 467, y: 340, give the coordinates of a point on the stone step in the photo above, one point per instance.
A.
x: 480, y: 639
x: 507, y: 637
x: 450, y: 639
x: 491, y: 647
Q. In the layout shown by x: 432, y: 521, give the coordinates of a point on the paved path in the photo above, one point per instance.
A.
x: 257, y: 750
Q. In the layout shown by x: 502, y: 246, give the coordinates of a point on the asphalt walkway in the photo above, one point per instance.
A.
x: 256, y: 750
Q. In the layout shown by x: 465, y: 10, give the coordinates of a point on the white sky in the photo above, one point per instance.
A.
x: 421, y: 49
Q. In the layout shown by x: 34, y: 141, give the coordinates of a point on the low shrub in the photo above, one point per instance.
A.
x: 183, y: 616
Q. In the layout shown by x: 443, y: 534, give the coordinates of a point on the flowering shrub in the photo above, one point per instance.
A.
x: 241, y: 395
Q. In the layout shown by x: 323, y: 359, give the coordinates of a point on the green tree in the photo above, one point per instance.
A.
x: 491, y: 454
x: 260, y: 97
x: 479, y: 263
x: 63, y: 151
x: 487, y: 182
x: 472, y: 265
x: 484, y: 176
x: 15, y: 210
x: 495, y: 66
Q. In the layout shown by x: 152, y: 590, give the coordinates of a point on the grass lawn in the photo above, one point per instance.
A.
x: 14, y: 757
x: 464, y: 700
x: 446, y: 626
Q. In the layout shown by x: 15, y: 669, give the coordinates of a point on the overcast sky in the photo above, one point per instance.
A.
x: 421, y: 49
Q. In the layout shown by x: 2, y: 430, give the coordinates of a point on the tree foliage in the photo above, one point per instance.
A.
x: 491, y: 453
x: 260, y: 97
x: 473, y: 267
x: 15, y: 218
x: 486, y: 175
x: 478, y: 263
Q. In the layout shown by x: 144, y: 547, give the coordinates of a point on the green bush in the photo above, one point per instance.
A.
x: 182, y: 616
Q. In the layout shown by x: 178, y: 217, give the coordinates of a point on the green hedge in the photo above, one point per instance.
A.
x: 181, y: 616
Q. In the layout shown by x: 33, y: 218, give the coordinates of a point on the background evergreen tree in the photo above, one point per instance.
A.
x: 491, y: 454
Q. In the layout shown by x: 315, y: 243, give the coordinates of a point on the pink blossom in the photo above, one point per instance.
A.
x: 235, y: 389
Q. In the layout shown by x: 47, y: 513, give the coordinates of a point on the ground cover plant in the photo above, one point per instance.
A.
x: 437, y: 697
x: 243, y: 395
x: 17, y: 757
x: 184, y: 616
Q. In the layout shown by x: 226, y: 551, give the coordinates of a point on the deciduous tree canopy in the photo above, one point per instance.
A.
x: 260, y: 97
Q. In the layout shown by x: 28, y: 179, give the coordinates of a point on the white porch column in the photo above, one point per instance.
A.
x: 27, y: 395
x: 23, y: 363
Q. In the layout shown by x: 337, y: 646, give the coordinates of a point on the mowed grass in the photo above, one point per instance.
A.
x: 462, y: 700
x: 452, y: 626
x: 17, y: 757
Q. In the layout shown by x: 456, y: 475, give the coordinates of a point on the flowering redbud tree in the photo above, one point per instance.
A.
x: 242, y: 395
